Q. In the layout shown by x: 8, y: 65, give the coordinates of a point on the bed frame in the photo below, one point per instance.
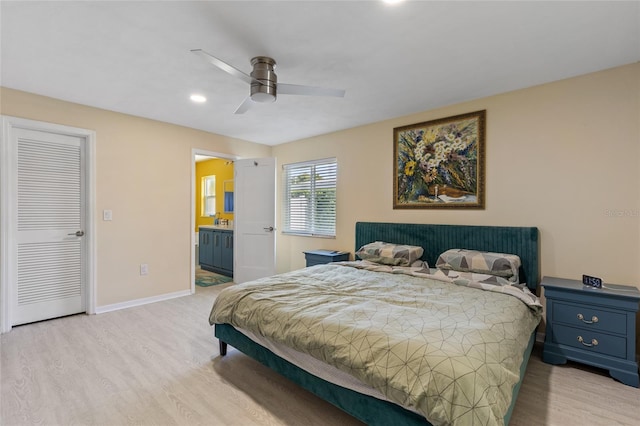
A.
x: 435, y: 239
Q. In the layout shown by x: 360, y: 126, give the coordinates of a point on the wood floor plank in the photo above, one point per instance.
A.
x: 158, y: 364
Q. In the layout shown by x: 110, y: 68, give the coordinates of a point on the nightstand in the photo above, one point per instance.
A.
x: 318, y: 257
x: 592, y: 326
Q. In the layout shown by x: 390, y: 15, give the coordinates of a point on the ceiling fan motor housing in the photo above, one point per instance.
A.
x: 263, y: 90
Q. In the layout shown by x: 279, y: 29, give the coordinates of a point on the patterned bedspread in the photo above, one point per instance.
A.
x: 451, y: 352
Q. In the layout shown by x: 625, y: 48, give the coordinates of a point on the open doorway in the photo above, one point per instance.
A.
x: 212, y: 212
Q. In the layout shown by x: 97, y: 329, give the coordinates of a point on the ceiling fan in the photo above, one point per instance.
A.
x: 264, y: 82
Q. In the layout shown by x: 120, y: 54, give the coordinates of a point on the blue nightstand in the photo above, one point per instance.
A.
x: 592, y: 326
x: 318, y: 257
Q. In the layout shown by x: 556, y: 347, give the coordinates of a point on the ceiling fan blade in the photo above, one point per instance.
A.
x: 294, y: 89
x: 223, y: 66
x: 244, y: 106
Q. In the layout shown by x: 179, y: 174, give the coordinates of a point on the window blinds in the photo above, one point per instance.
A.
x: 309, y: 198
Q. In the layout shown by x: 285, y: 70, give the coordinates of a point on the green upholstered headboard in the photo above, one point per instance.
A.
x: 435, y: 239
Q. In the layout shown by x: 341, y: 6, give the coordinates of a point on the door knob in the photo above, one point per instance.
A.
x: 77, y: 233
x: 268, y: 228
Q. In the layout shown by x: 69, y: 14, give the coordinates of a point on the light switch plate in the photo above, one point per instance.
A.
x: 107, y: 215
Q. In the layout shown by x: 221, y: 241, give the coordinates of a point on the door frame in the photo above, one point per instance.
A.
x: 194, y: 239
x: 8, y: 201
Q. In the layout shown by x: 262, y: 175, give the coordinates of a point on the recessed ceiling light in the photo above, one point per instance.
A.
x: 392, y: 1
x: 198, y: 98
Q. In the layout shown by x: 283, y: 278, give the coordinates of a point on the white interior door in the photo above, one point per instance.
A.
x: 49, y: 211
x: 255, y: 200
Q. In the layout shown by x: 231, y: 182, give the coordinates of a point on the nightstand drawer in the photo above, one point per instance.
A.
x: 590, y: 318
x: 591, y: 341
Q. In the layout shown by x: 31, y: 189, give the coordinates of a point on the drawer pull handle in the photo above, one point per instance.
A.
x: 594, y: 319
x: 594, y: 342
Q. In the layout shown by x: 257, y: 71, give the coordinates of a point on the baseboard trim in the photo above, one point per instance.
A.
x: 139, y: 302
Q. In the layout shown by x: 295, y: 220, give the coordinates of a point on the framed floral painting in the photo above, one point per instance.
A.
x: 440, y: 163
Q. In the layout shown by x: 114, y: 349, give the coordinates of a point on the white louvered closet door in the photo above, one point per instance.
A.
x: 50, y: 277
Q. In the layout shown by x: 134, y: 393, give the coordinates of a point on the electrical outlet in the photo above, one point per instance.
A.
x: 144, y: 269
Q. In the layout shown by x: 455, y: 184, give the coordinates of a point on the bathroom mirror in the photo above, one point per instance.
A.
x: 227, y: 187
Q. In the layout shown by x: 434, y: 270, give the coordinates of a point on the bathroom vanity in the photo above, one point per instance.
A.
x: 216, y: 249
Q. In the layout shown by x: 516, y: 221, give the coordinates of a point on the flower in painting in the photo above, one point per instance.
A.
x: 409, y: 168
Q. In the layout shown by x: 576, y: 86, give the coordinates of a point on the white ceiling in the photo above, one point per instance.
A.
x: 134, y: 57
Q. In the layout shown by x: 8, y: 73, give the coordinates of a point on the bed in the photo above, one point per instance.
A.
x: 462, y: 363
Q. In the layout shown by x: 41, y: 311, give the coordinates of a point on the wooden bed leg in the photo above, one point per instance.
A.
x: 223, y: 348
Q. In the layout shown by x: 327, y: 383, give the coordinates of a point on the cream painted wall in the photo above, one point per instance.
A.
x: 143, y: 174
x: 563, y: 156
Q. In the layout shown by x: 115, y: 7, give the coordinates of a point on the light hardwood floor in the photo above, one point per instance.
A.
x: 158, y: 364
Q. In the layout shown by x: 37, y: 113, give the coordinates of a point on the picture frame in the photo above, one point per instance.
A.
x: 440, y: 163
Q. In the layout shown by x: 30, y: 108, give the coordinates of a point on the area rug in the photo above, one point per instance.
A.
x: 206, y: 278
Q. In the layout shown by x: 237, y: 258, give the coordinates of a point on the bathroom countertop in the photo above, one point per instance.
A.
x: 222, y: 227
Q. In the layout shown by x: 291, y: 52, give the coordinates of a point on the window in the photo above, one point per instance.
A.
x: 208, y: 196
x: 309, y: 198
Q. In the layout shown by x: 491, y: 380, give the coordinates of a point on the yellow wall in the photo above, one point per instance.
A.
x: 223, y: 171
x: 143, y: 174
x: 562, y: 156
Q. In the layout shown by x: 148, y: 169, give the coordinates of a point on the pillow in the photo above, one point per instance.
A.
x: 390, y: 254
x: 481, y: 262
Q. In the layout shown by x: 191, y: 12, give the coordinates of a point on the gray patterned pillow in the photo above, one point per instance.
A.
x: 390, y: 254
x: 481, y: 262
